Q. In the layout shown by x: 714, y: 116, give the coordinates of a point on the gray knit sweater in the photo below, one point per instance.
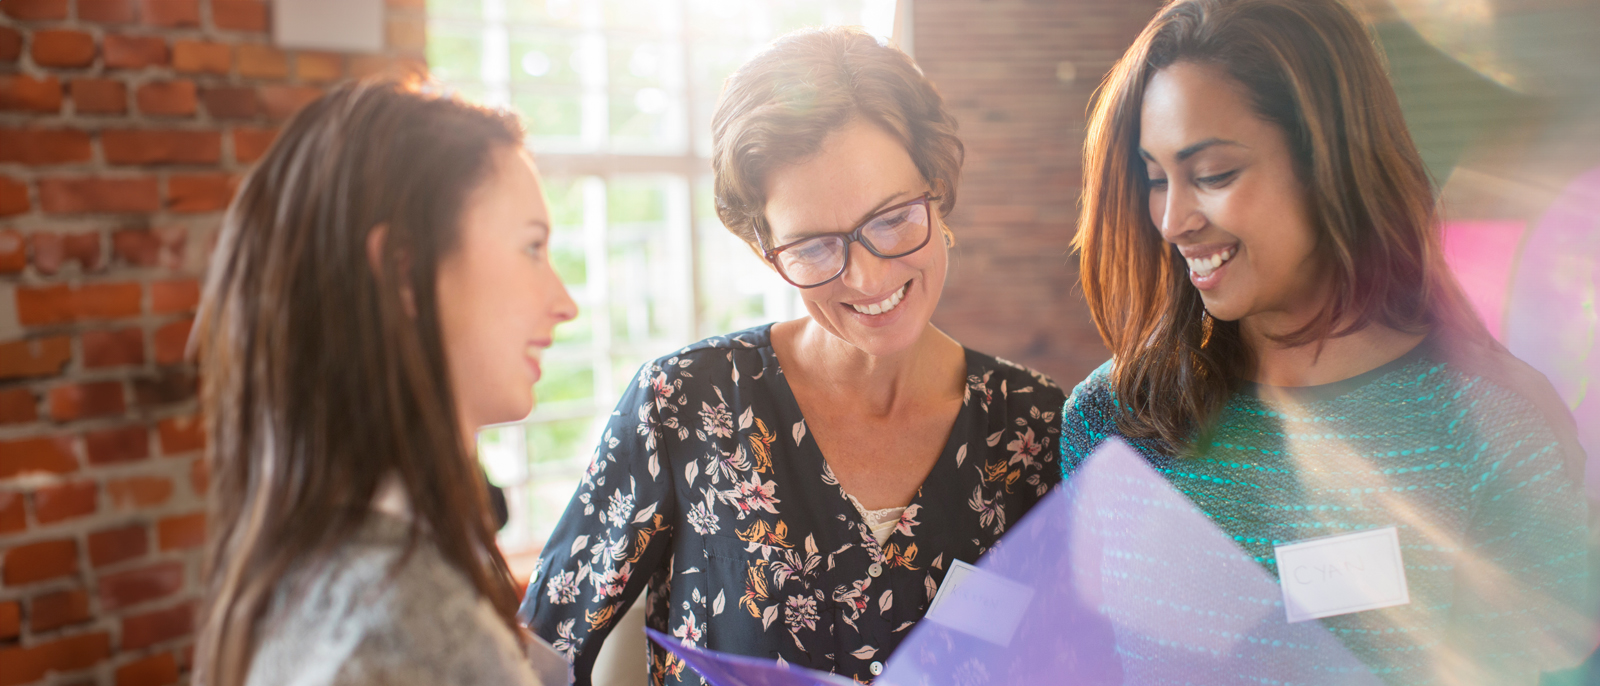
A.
x: 356, y: 620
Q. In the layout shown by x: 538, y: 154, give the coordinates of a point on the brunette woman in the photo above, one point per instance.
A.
x: 380, y: 290
x: 1260, y: 251
x: 797, y: 491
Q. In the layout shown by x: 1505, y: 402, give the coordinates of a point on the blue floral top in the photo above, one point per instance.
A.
x: 708, y: 490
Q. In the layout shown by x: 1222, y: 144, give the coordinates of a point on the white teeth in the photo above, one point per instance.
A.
x: 1203, y: 266
x: 885, y: 305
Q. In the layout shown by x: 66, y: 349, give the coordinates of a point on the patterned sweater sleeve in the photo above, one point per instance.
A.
x: 1521, y: 604
x: 1086, y: 419
x: 615, y: 534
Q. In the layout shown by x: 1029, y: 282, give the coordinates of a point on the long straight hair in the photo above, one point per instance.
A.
x: 322, y: 376
x: 1310, y: 68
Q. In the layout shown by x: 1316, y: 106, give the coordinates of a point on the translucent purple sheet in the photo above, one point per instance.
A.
x: 1066, y: 598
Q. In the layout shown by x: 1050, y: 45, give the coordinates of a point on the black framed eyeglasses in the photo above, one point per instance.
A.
x: 894, y: 232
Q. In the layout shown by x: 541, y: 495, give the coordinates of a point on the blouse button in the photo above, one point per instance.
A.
x: 876, y: 668
x: 875, y: 571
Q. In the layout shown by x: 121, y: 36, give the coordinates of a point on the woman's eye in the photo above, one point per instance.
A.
x: 1217, y: 179
x: 535, y: 250
x: 1157, y: 184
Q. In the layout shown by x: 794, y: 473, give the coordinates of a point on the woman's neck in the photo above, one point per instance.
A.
x: 1329, y: 360
x: 932, y: 367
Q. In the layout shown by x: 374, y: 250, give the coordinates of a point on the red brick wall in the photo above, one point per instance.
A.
x: 124, y: 125
x: 1018, y: 75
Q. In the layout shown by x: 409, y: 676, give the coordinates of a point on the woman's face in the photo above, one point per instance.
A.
x: 860, y: 171
x: 499, y: 296
x: 1223, y: 190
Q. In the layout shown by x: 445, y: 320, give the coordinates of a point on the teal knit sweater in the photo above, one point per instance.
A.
x: 1492, y: 518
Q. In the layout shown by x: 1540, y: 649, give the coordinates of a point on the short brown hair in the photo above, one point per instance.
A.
x: 1310, y: 68
x: 780, y: 106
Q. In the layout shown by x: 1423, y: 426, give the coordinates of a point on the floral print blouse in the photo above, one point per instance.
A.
x: 708, y: 490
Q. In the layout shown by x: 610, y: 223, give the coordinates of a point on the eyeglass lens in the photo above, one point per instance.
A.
x: 896, y: 233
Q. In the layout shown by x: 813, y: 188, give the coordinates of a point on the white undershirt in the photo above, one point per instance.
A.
x: 880, y: 522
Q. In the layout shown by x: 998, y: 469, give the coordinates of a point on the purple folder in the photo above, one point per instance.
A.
x: 1067, y: 597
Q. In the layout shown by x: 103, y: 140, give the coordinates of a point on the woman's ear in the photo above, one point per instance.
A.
x: 377, y: 242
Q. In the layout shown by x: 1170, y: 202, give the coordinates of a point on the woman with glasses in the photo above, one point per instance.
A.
x: 797, y: 491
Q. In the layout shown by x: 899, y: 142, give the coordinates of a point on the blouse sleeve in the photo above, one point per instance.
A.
x: 1520, y: 605
x: 614, y: 535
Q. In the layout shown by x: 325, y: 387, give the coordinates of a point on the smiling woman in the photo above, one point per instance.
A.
x: 1260, y: 251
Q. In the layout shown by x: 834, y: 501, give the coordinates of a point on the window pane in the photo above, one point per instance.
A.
x: 455, y: 54
x: 455, y: 9
x: 565, y: 380
x: 737, y: 289
x: 649, y: 16
x: 549, y: 116
x: 544, y: 58
x: 567, y: 13
x: 559, y: 441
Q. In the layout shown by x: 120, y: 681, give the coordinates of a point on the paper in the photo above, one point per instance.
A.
x: 1338, y: 575
x: 980, y: 604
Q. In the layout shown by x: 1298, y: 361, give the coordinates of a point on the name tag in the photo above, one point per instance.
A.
x: 1338, y: 575
x: 980, y: 604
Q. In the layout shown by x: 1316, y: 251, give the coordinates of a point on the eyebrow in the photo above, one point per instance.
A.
x: 1195, y: 148
x: 862, y: 220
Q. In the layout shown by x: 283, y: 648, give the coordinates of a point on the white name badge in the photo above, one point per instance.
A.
x: 979, y: 603
x: 1338, y: 575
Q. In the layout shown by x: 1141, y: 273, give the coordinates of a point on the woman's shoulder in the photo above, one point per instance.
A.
x: 1017, y: 383
x: 1498, y: 391
x: 1095, y: 393
x: 710, y: 360
x: 380, y: 610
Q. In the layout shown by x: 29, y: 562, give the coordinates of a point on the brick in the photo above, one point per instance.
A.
x: 134, y: 52
x: 60, y: 303
x: 99, y: 96
x: 281, y: 102
x: 63, y: 49
x: 406, y: 34
x: 84, y: 195
x: 181, y: 435
x: 52, y: 454
x: 26, y: 564
x: 145, y: 146
x: 167, y: 98
x: 51, y: 251
x: 257, y: 61
x: 10, y: 620
x: 177, y: 295
x: 14, y: 196
x: 18, y: 406
x: 170, y: 13
x: 362, y: 66
x: 13, y: 251
x: 36, y: 146
x: 231, y: 102
x: 185, y: 531
x: 156, y: 670
x: 82, y: 401
x: 25, y: 93
x: 34, y: 357
x: 137, y: 247
x: 121, y: 544
x: 21, y: 665
x: 135, y: 586
x: 239, y: 15
x: 56, y: 610
x: 319, y: 67
x: 171, y: 385
x: 66, y: 501
x: 202, y: 57
x: 10, y: 44
x: 200, y: 475
x: 172, y: 341
x: 13, y: 513
x: 139, y: 491
x: 106, y: 11
x: 113, y: 348
x: 249, y: 144
x: 35, y: 10
x: 122, y: 444
x: 199, y: 192
x: 150, y: 628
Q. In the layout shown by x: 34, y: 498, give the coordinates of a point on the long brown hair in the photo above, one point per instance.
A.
x: 1311, y: 68
x: 781, y: 105
x: 321, y: 378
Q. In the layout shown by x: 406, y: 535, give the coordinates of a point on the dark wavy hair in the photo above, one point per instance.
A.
x: 321, y: 379
x: 780, y: 106
x: 1310, y: 68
